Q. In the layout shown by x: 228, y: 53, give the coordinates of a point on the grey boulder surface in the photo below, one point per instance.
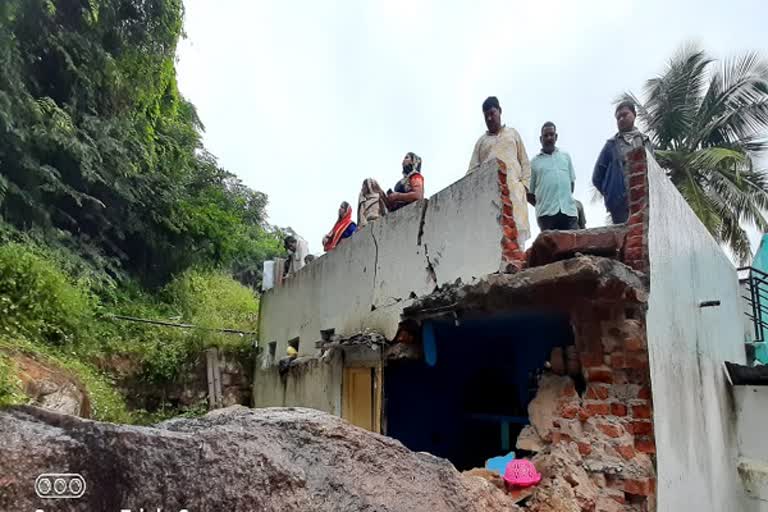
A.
x: 233, y: 459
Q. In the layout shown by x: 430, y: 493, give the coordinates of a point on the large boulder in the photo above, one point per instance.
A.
x: 275, y: 459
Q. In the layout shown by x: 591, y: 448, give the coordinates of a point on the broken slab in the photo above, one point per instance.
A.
x: 553, y: 286
x: 529, y: 440
x: 544, y: 409
x: 551, y: 246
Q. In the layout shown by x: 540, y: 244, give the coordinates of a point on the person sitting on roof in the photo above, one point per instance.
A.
x: 374, y: 203
x: 297, y: 250
x: 343, y: 228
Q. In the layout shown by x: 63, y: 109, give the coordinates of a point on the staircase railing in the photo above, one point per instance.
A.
x: 757, y: 300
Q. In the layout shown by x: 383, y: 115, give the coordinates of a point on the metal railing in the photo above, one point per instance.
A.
x: 757, y: 300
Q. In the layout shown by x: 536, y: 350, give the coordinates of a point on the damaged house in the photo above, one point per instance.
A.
x: 432, y: 327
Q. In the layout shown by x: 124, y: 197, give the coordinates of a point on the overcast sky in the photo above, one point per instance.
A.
x: 305, y: 99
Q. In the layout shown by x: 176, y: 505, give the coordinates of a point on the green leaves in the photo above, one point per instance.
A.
x: 707, y: 121
x: 96, y: 140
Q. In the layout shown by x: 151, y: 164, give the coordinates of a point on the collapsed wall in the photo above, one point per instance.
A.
x: 604, y: 417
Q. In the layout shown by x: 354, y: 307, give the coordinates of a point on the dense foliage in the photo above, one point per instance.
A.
x: 49, y: 314
x: 708, y: 122
x: 100, y: 153
x: 110, y: 205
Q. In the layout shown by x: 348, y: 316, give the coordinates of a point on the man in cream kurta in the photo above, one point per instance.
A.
x: 505, y: 144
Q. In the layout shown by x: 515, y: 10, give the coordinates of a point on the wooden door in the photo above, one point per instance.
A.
x: 360, y: 398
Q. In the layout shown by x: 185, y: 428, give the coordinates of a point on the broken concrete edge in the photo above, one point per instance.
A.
x: 593, y: 278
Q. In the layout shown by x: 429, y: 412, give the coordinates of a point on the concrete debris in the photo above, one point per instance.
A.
x: 274, y: 459
x: 529, y: 440
x: 370, y: 339
x: 554, y: 285
x: 490, y: 476
x: 554, y: 495
x: 563, y: 462
x: 543, y: 410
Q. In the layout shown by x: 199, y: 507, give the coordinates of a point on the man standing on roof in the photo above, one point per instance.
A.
x: 552, y: 183
x: 609, y: 177
x: 504, y: 143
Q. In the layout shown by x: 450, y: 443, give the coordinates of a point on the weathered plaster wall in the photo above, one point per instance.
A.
x: 314, y: 382
x: 370, y: 277
x: 695, y: 430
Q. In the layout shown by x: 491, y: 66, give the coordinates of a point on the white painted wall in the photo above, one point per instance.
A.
x: 695, y: 426
x: 368, y: 279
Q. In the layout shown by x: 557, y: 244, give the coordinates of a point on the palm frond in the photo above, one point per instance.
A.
x: 673, y: 98
x: 736, y: 104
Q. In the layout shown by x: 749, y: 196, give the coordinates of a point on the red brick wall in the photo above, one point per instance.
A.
x: 611, y: 420
x: 512, y: 257
x: 636, y: 242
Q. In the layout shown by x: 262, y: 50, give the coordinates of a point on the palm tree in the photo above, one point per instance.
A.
x: 708, y: 122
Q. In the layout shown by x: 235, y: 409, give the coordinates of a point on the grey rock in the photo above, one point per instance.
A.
x: 234, y: 459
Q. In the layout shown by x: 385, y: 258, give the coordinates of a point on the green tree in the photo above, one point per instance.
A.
x: 707, y: 120
x: 96, y: 142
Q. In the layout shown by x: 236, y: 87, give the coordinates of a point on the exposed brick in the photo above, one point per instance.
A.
x: 645, y: 444
x: 610, y: 429
x: 636, y: 360
x: 591, y: 358
x: 637, y: 217
x: 633, y: 253
x: 597, y: 391
x: 626, y: 450
x: 636, y: 155
x: 636, y: 180
x: 618, y: 409
x: 643, y: 487
x: 558, y: 437
x: 507, y: 209
x: 636, y: 230
x: 641, y: 411
x: 617, y: 360
x: 634, y: 344
x: 599, y: 374
x: 569, y: 411
x: 637, y: 193
x: 644, y: 393
x: 504, y: 189
x: 634, y: 241
x: 640, y: 428
x: 509, y: 232
x: 597, y: 408
x: 584, y: 449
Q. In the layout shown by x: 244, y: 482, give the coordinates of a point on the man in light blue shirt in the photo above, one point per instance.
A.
x: 552, y: 180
